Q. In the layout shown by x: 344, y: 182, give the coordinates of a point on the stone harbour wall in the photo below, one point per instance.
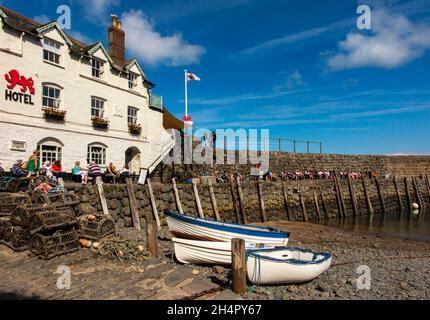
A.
x: 119, y: 205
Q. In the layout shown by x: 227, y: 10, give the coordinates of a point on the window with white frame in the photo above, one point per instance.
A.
x: 97, y: 107
x: 97, y: 153
x: 132, y: 81
x: 51, y: 51
x: 51, y: 96
x: 132, y: 115
x: 97, y: 68
x: 50, y: 152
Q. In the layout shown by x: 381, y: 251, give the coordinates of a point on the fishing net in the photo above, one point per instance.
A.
x: 49, y: 246
x: 123, y: 249
x: 97, y: 229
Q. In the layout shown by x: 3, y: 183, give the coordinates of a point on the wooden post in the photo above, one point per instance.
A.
x: 101, y: 192
x: 213, y: 200
x: 408, y: 194
x: 152, y: 239
x: 302, y: 202
x: 427, y: 185
x: 153, y: 203
x: 324, y: 205
x: 233, y: 196
x: 381, y: 195
x: 241, y: 201
x: 177, y: 199
x: 339, y: 204
x: 342, y: 201
x: 238, y: 266
x: 352, y: 196
x: 261, y: 199
x: 399, y: 198
x: 133, y: 203
x: 196, y: 195
x: 317, y: 207
x: 366, y: 195
x: 287, y: 207
x: 417, y: 192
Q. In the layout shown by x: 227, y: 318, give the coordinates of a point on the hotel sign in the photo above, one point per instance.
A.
x: 14, y: 79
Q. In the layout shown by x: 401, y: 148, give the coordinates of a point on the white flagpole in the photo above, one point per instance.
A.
x: 186, y: 93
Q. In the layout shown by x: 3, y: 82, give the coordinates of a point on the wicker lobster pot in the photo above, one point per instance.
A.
x: 15, y: 238
x: 49, y: 246
x: 9, y: 202
x: 12, y: 184
x: 51, y: 220
x: 63, y: 199
x: 101, y: 227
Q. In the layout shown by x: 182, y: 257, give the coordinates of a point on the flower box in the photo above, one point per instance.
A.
x: 100, y: 122
x: 135, y: 128
x: 54, y: 113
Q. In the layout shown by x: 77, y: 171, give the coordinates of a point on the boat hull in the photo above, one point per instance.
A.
x: 285, y: 266
x: 194, y: 228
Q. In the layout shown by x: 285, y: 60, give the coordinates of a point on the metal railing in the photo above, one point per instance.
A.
x: 295, y: 146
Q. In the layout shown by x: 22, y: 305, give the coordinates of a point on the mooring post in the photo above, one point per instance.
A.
x: 213, y: 200
x: 324, y: 204
x: 101, y: 193
x: 417, y: 192
x: 153, y: 203
x: 302, y: 202
x: 367, y: 197
x: 317, y: 206
x: 133, y: 203
x: 197, y: 197
x: 241, y: 201
x: 233, y: 196
x: 339, y: 205
x: 342, y: 201
x: 287, y: 207
x: 177, y: 199
x: 399, y: 198
x: 352, y: 196
x: 427, y: 185
x: 152, y: 239
x: 261, y: 199
x: 408, y: 194
x: 381, y: 195
x: 238, y: 266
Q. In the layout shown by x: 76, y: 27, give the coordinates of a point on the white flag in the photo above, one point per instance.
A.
x: 192, y: 77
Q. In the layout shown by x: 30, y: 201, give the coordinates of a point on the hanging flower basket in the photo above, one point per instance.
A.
x: 100, y: 122
x: 54, y: 113
x: 135, y: 128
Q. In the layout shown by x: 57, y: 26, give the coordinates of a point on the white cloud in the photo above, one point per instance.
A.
x: 153, y: 48
x: 293, y: 81
x: 394, y: 41
x: 97, y: 10
x: 43, y: 19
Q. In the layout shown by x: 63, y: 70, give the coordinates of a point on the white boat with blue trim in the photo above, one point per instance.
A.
x: 195, y: 228
x: 285, y: 265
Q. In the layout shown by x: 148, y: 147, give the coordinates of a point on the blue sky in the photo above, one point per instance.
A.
x: 299, y: 68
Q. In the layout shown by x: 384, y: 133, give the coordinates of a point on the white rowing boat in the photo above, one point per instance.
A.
x: 285, y: 265
x: 195, y: 228
x: 206, y: 252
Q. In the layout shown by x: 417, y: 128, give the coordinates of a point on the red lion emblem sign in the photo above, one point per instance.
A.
x: 14, y: 79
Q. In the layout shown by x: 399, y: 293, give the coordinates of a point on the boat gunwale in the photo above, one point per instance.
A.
x: 229, y: 227
x: 255, y: 254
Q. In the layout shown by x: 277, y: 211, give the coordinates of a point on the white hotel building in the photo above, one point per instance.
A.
x: 74, y: 101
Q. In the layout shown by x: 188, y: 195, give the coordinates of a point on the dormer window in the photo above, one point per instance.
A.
x: 132, y: 81
x: 97, y: 68
x: 51, y: 51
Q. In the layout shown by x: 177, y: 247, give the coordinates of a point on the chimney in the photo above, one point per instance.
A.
x: 117, y: 41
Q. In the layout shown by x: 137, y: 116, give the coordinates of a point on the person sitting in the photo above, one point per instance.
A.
x: 57, y: 169
x: 94, y: 170
x: 124, y: 173
x: 47, y: 169
x: 111, y: 172
x: 17, y: 170
x: 79, y: 172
